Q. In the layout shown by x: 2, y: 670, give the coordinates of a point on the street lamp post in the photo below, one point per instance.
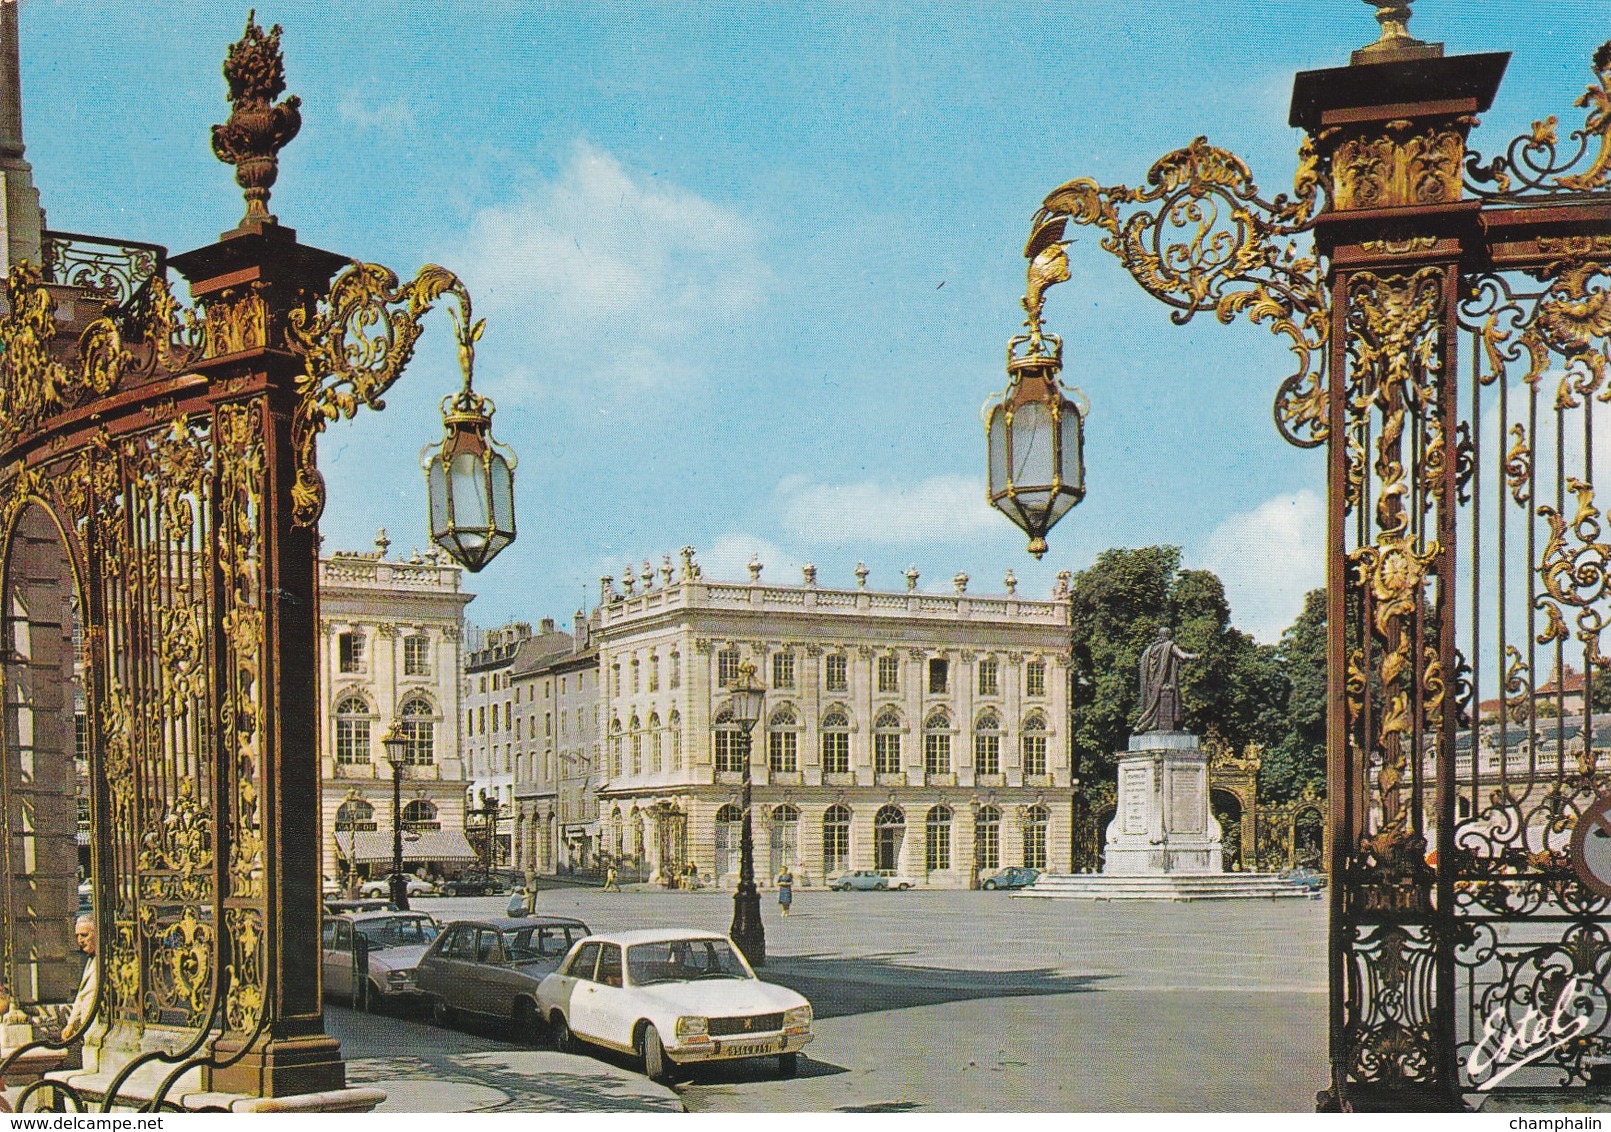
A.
x: 396, y: 746
x: 748, y: 696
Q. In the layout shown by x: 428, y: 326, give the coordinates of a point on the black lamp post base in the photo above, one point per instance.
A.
x: 747, y: 931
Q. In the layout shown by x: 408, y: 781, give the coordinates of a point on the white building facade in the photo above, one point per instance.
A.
x: 915, y: 733
x: 391, y: 634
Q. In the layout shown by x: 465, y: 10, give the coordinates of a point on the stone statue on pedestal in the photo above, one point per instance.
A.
x: 1160, y: 684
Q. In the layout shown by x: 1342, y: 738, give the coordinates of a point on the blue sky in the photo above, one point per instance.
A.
x: 749, y: 270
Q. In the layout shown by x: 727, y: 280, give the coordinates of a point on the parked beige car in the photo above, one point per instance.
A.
x: 491, y: 967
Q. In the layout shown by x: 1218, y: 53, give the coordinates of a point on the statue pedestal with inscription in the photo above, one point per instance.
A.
x: 1163, y: 824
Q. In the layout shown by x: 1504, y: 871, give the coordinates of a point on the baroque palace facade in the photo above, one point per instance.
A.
x: 391, y: 640
x: 917, y: 733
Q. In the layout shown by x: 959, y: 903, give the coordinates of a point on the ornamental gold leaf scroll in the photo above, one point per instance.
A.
x: 1201, y: 238
x: 354, y: 347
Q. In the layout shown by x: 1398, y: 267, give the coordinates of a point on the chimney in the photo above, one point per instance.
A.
x: 546, y: 625
x: 579, y: 632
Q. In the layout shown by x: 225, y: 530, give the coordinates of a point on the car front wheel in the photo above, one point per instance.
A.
x: 656, y: 1065
x: 528, y: 1022
x: 441, y: 1012
x: 788, y: 1065
x: 990, y: 886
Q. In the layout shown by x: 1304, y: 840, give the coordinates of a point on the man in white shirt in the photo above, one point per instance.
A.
x: 78, y: 1018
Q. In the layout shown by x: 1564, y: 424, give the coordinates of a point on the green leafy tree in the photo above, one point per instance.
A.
x: 1298, y: 758
x: 1117, y: 606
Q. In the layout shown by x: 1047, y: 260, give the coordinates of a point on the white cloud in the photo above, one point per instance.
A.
x: 395, y: 116
x: 1268, y: 559
x: 728, y: 558
x: 937, y: 509
x: 605, y: 272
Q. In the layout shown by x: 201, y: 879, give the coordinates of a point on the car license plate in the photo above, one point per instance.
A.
x: 751, y: 1049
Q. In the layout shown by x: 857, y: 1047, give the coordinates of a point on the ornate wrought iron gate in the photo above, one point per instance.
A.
x: 1452, y: 325
x: 158, y: 474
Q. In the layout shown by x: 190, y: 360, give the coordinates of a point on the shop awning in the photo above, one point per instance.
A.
x: 430, y: 846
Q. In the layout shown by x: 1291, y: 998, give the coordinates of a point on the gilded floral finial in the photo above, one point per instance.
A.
x: 258, y: 128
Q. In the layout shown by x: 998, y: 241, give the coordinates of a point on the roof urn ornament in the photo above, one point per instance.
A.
x: 258, y: 127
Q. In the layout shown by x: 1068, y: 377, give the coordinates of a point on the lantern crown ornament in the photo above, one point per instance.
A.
x: 469, y: 476
x: 1035, y: 429
x: 395, y: 744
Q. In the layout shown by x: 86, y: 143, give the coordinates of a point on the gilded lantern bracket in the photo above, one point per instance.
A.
x: 355, y: 345
x: 1200, y: 238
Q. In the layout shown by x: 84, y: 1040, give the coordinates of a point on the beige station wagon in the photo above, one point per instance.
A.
x: 491, y: 967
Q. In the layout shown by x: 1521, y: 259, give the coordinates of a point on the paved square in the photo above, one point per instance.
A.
x: 974, y: 1001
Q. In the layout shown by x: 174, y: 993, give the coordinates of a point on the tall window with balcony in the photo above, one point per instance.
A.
x: 987, y: 745
x: 674, y: 724
x: 417, y: 655
x: 835, y: 743
x: 350, y: 651
x: 887, y: 743
x: 784, y: 828
x: 1036, y: 819
x: 1034, y: 746
x: 352, y: 731
x: 656, y: 755
x: 1035, y: 678
x: 836, y: 672
x: 889, y: 673
x: 782, y: 738
x: 732, y: 745
x: 615, y: 747
x: 635, y: 676
x: 726, y: 667
x: 418, y: 724
x: 636, y: 737
x: 987, y: 838
x: 676, y: 670
x: 654, y: 673
x: 937, y: 839
x: 936, y: 744
x: 835, y: 840
x: 939, y: 675
x: 989, y: 682
x: 729, y: 830
x: 783, y: 670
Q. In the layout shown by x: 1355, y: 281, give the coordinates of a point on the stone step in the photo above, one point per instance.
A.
x: 1221, y: 886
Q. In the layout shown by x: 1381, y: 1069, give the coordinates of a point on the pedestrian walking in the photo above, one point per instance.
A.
x: 785, y: 890
x: 609, y: 880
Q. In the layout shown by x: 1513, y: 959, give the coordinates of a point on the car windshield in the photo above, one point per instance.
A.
x: 397, y: 931
x: 683, y: 960
x: 528, y: 944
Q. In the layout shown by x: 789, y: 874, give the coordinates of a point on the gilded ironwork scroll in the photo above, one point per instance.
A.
x: 1200, y: 238
x: 1534, y: 166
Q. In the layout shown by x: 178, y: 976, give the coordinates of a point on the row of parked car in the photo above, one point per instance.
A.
x: 476, y: 884
x: 674, y: 997
x: 871, y: 880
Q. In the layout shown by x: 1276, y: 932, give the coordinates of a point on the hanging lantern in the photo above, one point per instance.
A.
x: 1036, y: 433
x: 471, y: 481
x: 469, y: 477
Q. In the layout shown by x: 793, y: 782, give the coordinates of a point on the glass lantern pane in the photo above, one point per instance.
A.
x: 1060, y: 504
x: 503, y: 492
x: 1031, y: 445
x: 436, y: 489
x: 1073, y: 439
x: 1034, y: 504
x: 998, y: 450
x: 470, y: 502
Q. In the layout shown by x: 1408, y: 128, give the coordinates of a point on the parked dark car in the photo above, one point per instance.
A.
x: 477, y: 885
x: 491, y: 967
x: 1014, y: 876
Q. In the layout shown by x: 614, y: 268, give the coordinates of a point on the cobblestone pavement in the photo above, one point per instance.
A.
x: 974, y: 1001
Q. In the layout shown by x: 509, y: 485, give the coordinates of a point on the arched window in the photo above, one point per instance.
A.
x: 782, y: 739
x: 729, y: 829
x: 1035, y: 821
x: 1034, y: 744
x: 418, y: 723
x: 352, y: 731
x: 835, y: 743
x: 636, y: 738
x: 784, y: 828
x: 835, y: 840
x: 732, y: 744
x: 889, y: 831
x: 615, y: 747
x: 656, y: 757
x: 937, y: 744
x: 987, y: 838
x: 637, y: 835
x: 616, y: 833
x: 987, y: 744
x: 937, y: 839
x: 674, y: 722
x: 355, y: 814
x: 887, y: 742
x: 420, y: 815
